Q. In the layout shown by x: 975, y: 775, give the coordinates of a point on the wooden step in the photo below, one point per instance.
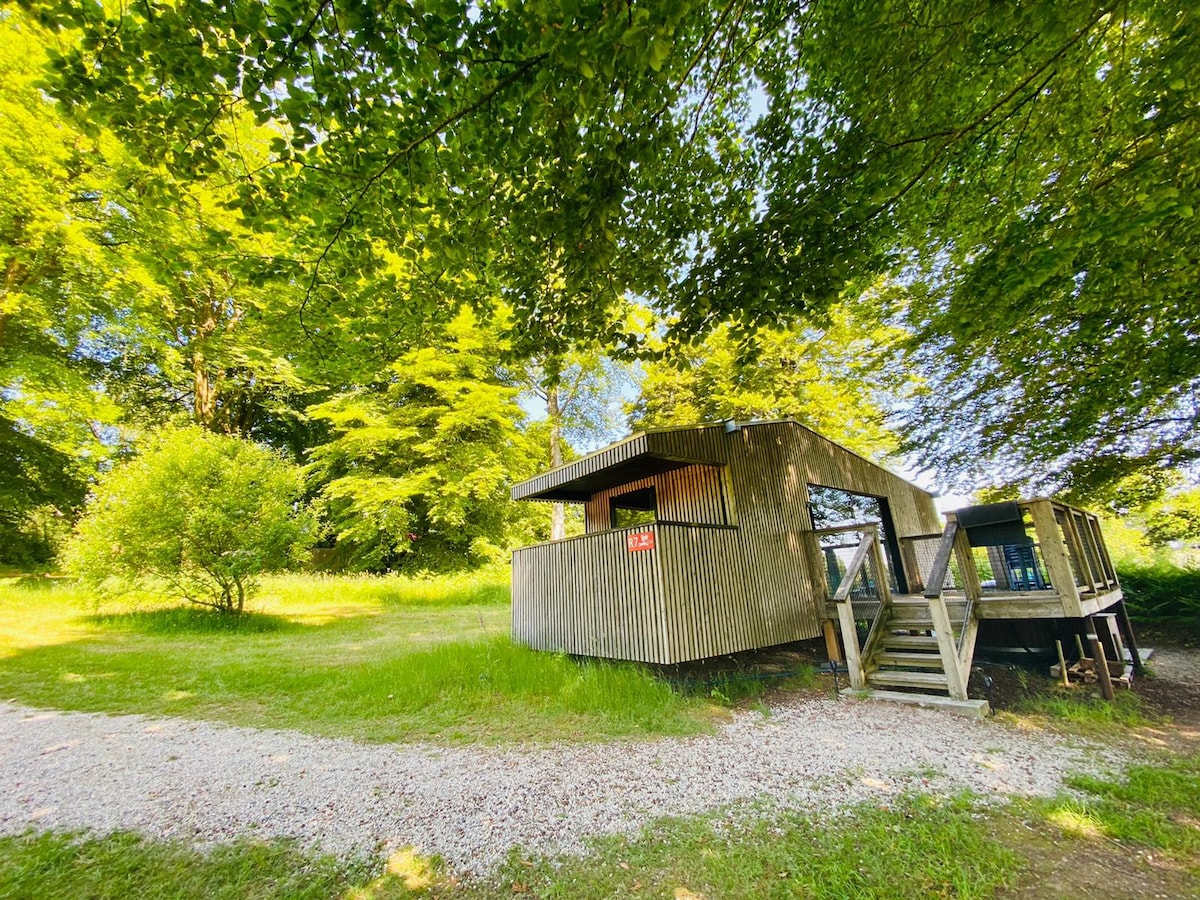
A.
x: 922, y: 603
x: 975, y: 709
x: 937, y: 680
x: 914, y: 660
x: 908, y: 642
x: 916, y: 622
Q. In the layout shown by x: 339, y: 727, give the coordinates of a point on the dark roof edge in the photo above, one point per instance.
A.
x: 517, y: 494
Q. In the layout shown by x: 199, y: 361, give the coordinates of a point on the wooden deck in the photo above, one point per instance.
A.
x: 993, y: 604
x: 926, y: 642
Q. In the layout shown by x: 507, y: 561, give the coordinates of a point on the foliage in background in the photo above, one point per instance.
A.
x: 204, y: 513
x: 253, y: 225
x: 417, y: 471
x: 827, y: 378
x: 1163, y: 595
x: 1174, y: 518
x: 59, y: 278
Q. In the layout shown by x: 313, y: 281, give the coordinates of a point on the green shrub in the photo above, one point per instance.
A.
x: 202, y: 512
x: 1162, y: 594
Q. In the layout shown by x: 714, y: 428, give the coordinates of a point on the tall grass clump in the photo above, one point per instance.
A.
x: 1088, y: 711
x: 1163, y: 595
x: 494, y: 690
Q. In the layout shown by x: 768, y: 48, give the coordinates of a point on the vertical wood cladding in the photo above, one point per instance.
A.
x: 590, y: 596
x: 703, y: 591
x: 691, y: 494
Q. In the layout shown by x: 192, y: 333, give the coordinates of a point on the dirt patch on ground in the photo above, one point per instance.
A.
x: 1064, y: 865
x: 1174, y: 688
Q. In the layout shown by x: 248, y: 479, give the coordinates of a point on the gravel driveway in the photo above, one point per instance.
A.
x: 196, y: 780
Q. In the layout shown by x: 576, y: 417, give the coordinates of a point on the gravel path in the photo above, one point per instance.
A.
x: 209, y: 782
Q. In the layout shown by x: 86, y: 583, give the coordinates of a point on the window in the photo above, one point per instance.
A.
x: 634, y: 508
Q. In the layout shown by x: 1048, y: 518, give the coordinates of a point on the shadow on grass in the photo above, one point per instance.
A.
x: 193, y: 620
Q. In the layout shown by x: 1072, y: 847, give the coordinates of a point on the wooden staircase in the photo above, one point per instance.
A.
x: 907, y: 654
x: 920, y: 647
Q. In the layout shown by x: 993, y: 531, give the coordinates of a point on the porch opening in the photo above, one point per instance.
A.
x: 834, y: 508
x: 638, y: 507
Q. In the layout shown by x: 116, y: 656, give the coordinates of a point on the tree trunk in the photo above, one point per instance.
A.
x: 558, y: 516
x: 205, y: 388
x: 204, y: 394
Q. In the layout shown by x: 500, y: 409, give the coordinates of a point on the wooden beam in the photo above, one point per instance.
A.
x: 1102, y: 674
x: 955, y: 682
x: 854, y: 667
x: 941, y: 561
x: 832, y: 648
x: 966, y: 566
x: 1054, y: 553
x: 912, y: 567
x: 1130, y: 639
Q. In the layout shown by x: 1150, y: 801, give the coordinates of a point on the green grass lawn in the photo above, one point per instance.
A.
x: 379, y: 659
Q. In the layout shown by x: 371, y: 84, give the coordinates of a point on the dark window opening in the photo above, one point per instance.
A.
x: 831, y: 508
x: 634, y: 508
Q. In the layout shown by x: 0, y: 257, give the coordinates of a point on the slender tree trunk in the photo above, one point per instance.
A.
x: 558, y: 517
x: 204, y: 394
x: 205, y: 388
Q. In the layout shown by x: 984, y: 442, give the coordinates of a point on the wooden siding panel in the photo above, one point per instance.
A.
x: 560, y: 604
x: 690, y: 494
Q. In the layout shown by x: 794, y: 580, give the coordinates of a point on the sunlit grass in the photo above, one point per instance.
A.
x: 118, y: 867
x: 916, y: 847
x: 1087, y: 713
x: 380, y: 659
x: 1157, y: 806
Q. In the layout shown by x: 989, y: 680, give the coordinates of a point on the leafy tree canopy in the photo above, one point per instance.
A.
x: 417, y: 470
x: 829, y: 379
x: 1024, y: 173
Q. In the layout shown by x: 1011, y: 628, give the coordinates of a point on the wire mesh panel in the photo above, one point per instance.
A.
x: 838, y: 551
x: 921, y: 552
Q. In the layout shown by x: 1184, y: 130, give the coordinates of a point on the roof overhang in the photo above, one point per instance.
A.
x: 622, y: 463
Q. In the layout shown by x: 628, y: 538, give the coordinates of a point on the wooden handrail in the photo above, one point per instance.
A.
x: 839, y: 529
x: 856, y: 565
x: 941, y: 561
x: 854, y: 664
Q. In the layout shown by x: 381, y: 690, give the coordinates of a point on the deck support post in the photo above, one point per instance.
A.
x: 1126, y: 625
x: 854, y: 666
x: 832, y: 648
x: 939, y: 617
x: 845, y: 610
x: 973, y: 588
x: 1103, y: 676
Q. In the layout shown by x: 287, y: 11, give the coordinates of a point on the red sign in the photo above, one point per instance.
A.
x: 639, y: 540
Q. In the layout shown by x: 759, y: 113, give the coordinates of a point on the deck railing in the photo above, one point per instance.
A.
x: 861, y: 591
x: 1066, y: 557
x: 955, y: 651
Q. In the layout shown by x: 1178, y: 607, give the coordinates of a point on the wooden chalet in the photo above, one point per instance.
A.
x: 707, y: 540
